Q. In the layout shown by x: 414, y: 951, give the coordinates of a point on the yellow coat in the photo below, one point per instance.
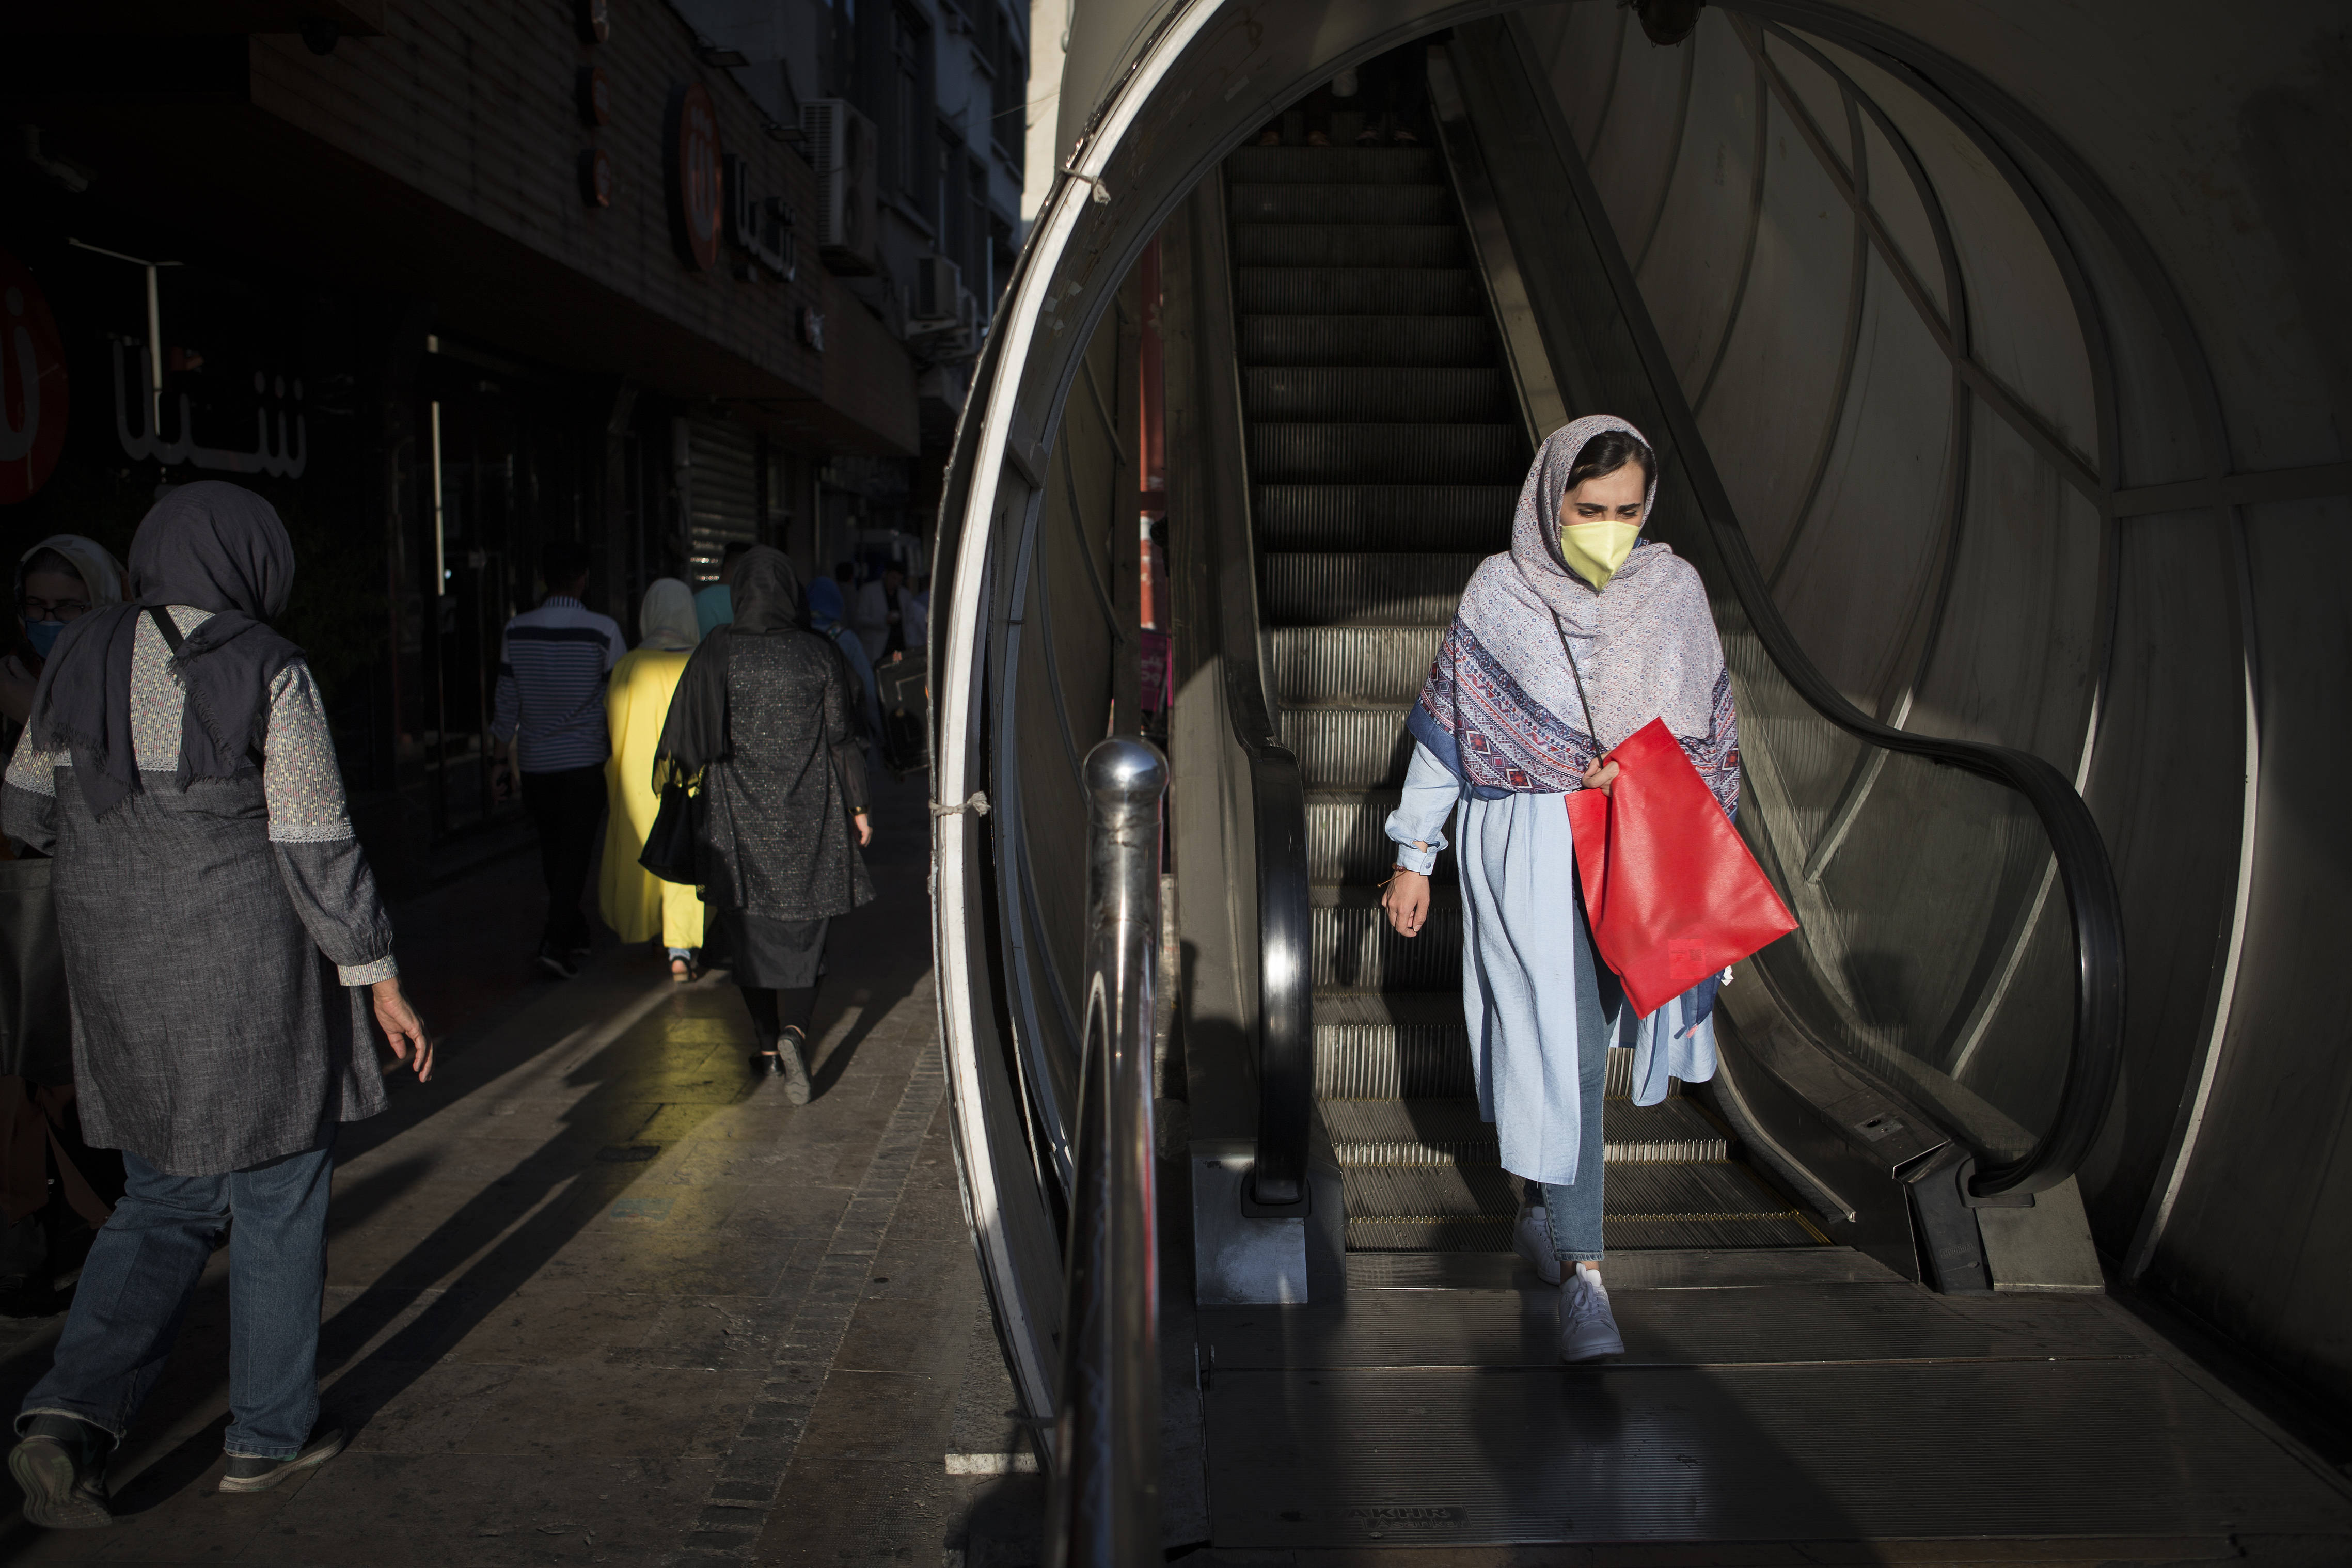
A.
x: 636, y: 903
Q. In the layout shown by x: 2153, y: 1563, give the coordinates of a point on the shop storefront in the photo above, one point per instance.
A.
x: 591, y: 322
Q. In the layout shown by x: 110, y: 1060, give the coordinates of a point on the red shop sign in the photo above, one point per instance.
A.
x: 34, y: 395
x: 690, y: 152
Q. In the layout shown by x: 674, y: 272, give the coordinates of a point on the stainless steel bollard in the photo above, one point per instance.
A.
x: 1104, y: 1507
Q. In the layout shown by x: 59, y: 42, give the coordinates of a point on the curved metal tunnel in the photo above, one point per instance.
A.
x: 2009, y: 347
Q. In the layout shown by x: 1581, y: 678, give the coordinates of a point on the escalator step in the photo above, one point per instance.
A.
x: 1383, y: 517
x: 1288, y: 453
x: 1356, y: 950
x: 1371, y: 666
x: 1448, y: 1132
x: 1343, y: 203
x: 1713, y: 1189
x: 1346, y: 841
x: 1408, y: 1045
x: 1414, y: 341
x: 1349, y: 245
x: 1358, y: 291
x: 1449, y: 396
x: 1369, y: 1046
x: 1328, y: 588
x: 1348, y: 748
x: 1322, y: 165
x: 1628, y: 1233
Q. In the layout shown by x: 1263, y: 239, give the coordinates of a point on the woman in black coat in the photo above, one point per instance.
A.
x: 764, y: 715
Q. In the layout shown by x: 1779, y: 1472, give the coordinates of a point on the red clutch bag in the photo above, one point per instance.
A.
x: 1673, y: 893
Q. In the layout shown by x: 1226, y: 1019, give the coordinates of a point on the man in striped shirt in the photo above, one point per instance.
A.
x: 550, y: 725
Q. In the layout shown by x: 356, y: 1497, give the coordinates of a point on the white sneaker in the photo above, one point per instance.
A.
x: 1588, y: 1329
x: 1531, y: 1239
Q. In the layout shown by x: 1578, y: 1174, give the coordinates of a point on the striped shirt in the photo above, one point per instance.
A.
x: 552, y: 668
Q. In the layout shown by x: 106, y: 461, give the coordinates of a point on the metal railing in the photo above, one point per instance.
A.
x: 1104, y: 1503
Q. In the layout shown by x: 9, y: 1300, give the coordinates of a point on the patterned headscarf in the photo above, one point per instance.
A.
x: 1502, y: 706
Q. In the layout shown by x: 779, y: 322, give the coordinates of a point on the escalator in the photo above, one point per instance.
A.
x: 1858, y: 1287
x: 1385, y: 449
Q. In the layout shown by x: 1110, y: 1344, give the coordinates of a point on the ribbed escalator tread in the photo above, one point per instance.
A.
x: 1449, y: 1131
x: 1343, y: 748
x: 1475, y: 518
x: 1349, y: 245
x: 1331, y: 589
x: 1401, y: 1208
x: 1364, y: 666
x: 1358, y: 291
x: 1348, y: 205
x: 1323, y: 166
x: 1346, y: 839
x: 1370, y: 394
x: 1394, y: 340
x: 1399, y: 1045
x: 1315, y: 452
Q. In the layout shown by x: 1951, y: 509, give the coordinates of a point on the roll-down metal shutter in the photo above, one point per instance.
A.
x: 723, y: 494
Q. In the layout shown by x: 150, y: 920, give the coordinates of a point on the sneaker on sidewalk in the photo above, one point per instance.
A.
x: 1531, y: 1239
x: 793, y: 1067
x: 557, y: 963
x: 61, y: 1466
x: 250, y: 1473
x: 1588, y: 1329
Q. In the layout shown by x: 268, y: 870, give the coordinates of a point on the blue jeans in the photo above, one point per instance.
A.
x: 143, y: 1269
x: 1573, y: 1211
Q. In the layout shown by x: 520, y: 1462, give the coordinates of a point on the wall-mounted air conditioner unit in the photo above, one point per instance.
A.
x: 842, y: 147
x: 931, y: 302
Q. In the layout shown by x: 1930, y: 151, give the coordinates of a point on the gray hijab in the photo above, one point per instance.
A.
x: 1504, y: 708
x: 212, y: 546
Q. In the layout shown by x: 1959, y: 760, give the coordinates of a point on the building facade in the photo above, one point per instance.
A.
x: 449, y: 283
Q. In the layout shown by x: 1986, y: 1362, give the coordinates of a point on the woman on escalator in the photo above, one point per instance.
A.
x: 1561, y: 649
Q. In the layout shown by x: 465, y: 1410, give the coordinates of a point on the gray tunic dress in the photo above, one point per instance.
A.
x: 217, y: 939
x: 780, y: 861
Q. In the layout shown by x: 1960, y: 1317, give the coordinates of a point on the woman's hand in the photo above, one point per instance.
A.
x: 401, y: 1027
x: 1406, y: 899
x: 1599, y: 776
x: 865, y: 825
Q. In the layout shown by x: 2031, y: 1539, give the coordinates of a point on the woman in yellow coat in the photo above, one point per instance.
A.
x: 636, y: 903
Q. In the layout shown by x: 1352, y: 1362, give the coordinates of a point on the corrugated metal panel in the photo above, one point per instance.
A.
x: 723, y: 494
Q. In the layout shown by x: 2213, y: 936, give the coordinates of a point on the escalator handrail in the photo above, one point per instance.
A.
x: 1286, y: 998
x: 2083, y: 867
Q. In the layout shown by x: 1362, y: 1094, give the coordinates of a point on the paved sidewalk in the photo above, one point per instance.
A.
x: 596, y: 1295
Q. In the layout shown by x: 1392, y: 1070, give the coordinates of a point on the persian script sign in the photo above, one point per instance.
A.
x: 690, y: 133
x: 34, y: 394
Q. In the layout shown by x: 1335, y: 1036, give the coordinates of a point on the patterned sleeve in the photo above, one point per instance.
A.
x: 318, y: 857
x: 1716, y: 754
x: 29, y: 800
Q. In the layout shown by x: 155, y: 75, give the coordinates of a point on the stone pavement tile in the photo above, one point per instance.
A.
x: 416, y: 1408
x: 575, y: 1409
x: 476, y: 1511
x: 540, y: 1324
x: 733, y: 1334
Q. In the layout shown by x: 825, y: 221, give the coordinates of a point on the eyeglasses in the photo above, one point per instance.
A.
x: 54, y: 608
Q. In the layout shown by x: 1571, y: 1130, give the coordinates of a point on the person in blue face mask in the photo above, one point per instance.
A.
x: 61, y: 578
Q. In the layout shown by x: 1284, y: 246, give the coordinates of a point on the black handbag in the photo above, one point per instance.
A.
x: 671, y: 853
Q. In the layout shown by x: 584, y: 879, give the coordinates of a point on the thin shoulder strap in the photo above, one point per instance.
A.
x: 255, y: 751
x: 1569, y: 654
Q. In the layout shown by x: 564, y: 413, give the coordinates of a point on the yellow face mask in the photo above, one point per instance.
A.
x: 1594, y: 551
